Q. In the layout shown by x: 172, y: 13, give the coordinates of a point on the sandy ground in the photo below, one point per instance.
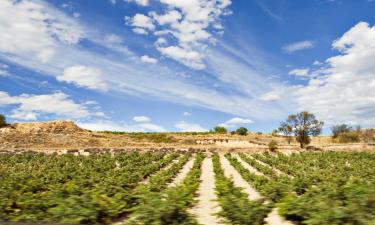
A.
x: 145, y: 181
x: 273, y: 218
x: 184, y: 171
x: 278, y: 172
x: 207, y: 206
x: 247, y: 166
x: 230, y: 171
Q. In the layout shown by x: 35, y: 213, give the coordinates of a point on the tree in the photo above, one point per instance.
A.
x: 345, y: 133
x: 220, y: 130
x: 303, y: 126
x: 286, y: 130
x: 339, y: 129
x: 2, y: 120
x: 241, y: 131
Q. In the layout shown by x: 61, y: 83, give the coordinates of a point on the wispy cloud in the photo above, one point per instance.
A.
x: 298, y: 46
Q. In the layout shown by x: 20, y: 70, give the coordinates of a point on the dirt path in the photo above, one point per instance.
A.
x: 230, y: 171
x: 247, y: 166
x: 145, y: 181
x: 207, y: 206
x: 273, y: 218
x: 182, y: 174
x: 278, y: 172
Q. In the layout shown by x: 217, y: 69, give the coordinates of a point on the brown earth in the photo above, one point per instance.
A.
x: 66, y: 136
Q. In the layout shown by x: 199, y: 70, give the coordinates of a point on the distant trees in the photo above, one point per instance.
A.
x: 241, y: 131
x: 220, y: 130
x: 3, y: 121
x: 345, y: 133
x: 303, y: 125
x: 286, y: 130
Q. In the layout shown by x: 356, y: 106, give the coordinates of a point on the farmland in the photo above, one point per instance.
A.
x: 175, y: 187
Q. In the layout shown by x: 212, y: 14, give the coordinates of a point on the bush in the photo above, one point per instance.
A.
x: 220, y: 130
x: 368, y: 135
x: 2, y: 120
x: 241, y: 131
x: 272, y: 146
x: 348, y: 137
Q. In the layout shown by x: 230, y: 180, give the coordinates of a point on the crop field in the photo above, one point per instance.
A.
x: 189, y: 188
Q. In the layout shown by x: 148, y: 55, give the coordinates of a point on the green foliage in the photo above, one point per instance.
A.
x: 272, y: 145
x: 242, y: 131
x: 220, y: 130
x: 2, y: 120
x: 340, y: 128
x: 236, y: 207
x: 302, y: 125
x: 344, y: 133
x: 349, y: 137
x: 73, y: 189
x: 170, y: 205
x: 325, y: 188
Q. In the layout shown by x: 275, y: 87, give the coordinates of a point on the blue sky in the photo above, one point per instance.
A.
x: 174, y: 65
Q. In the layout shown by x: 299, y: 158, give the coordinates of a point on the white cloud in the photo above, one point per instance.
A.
x: 297, y: 46
x: 189, y: 127
x: 30, y: 107
x: 113, y: 39
x: 186, y: 23
x: 187, y: 114
x: 107, y: 125
x: 344, y: 91
x: 139, y: 2
x: 188, y: 57
x: 29, y: 27
x: 148, y: 59
x: 141, y: 22
x: 317, y: 63
x: 271, y: 96
x: 141, y: 119
x: 4, y: 70
x: 83, y: 76
x: 235, y: 122
x: 300, y: 72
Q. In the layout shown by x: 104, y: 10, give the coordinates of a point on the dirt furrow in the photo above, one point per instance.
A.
x: 207, y: 207
x: 230, y: 171
x: 247, y: 166
x: 273, y: 218
x: 278, y: 172
x: 182, y: 174
x: 145, y: 181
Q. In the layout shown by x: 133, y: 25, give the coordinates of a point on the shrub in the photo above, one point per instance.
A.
x: 241, y: 131
x: 220, y: 130
x: 368, y: 135
x: 272, y: 146
x: 348, y: 137
x: 2, y: 120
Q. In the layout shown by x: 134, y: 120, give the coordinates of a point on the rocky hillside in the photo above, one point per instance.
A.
x: 61, y: 127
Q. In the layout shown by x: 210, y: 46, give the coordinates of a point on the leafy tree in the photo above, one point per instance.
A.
x: 345, y: 133
x: 241, y: 131
x: 286, y: 130
x: 2, y: 120
x: 303, y: 126
x: 220, y: 130
x: 339, y: 129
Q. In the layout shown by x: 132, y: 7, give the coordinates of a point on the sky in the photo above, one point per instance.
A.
x: 187, y: 65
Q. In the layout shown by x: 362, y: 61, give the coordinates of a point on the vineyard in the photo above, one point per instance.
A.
x: 188, y: 188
